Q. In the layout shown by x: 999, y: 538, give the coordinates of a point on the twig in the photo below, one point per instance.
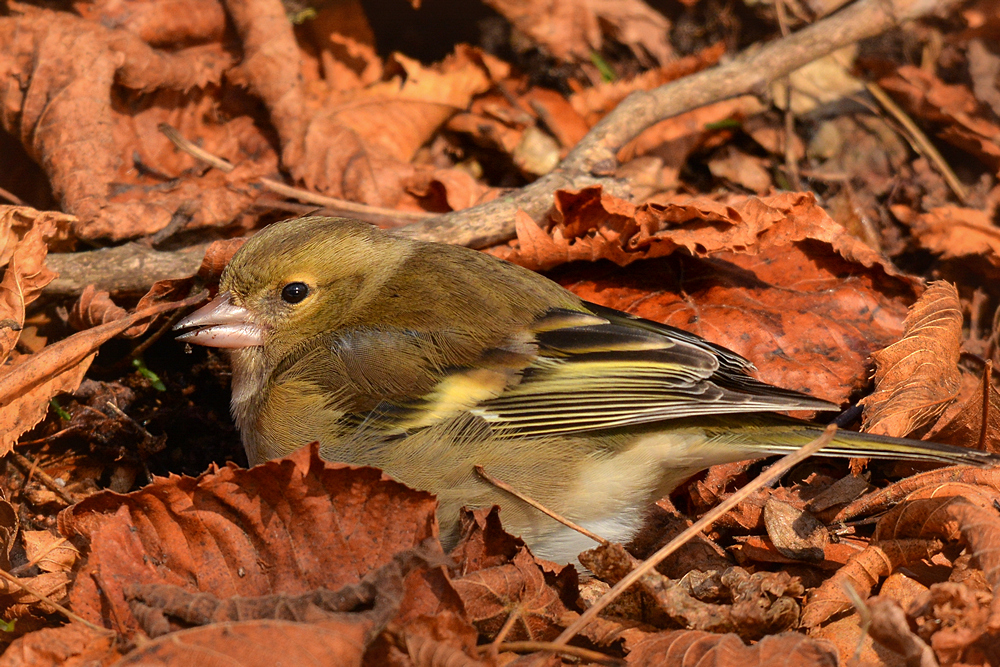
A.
x: 127, y: 269
x: 61, y: 609
x: 764, y: 479
x: 24, y: 464
x: 791, y: 164
x: 919, y: 140
x: 500, y: 484
x: 11, y: 197
x: 552, y: 647
x: 984, y: 424
x: 376, y: 214
x: 592, y: 161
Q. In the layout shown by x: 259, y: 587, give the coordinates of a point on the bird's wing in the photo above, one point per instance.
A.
x: 570, y: 371
x: 615, y: 370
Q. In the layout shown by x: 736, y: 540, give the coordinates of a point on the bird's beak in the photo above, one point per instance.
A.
x: 219, y: 323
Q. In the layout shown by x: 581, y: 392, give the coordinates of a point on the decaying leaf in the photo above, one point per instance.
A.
x: 696, y: 647
x: 571, y: 29
x: 23, y: 280
x: 219, y: 532
x: 795, y: 532
x: 861, y: 573
x: 917, y: 377
x: 954, y: 232
x: 519, y: 593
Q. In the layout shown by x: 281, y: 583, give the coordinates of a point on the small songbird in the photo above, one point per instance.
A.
x: 425, y: 360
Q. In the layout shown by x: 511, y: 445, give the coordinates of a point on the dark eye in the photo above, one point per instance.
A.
x: 294, y: 292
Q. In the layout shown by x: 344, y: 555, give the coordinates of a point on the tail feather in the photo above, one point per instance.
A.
x: 779, y: 435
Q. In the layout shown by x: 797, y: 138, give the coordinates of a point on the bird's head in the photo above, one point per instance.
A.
x: 293, y: 281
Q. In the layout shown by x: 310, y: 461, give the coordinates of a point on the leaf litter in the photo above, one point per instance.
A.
x: 875, y: 266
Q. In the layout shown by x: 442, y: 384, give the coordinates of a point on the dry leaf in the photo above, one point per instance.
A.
x: 861, y: 573
x: 795, y: 532
x: 953, y: 232
x: 22, y: 283
x: 73, y: 645
x: 917, y: 377
x: 519, y: 590
x: 693, y: 647
x: 256, y: 644
x: 288, y: 526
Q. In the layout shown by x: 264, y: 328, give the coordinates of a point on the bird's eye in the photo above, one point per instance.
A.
x: 294, y: 292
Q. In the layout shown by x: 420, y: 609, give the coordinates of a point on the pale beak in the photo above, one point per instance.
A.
x: 219, y: 323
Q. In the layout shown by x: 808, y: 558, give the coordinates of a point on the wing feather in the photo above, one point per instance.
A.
x: 625, y: 370
x: 571, y: 371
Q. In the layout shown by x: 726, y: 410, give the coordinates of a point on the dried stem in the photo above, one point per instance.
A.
x: 500, y: 484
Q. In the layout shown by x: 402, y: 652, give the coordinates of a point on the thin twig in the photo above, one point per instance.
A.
x: 11, y: 197
x: 45, y: 600
x: 919, y: 140
x: 984, y: 425
x: 791, y: 164
x: 764, y: 479
x: 552, y: 647
x: 500, y: 484
x: 24, y: 464
x: 363, y: 211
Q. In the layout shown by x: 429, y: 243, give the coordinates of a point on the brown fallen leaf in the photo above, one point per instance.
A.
x: 29, y: 405
x: 68, y: 122
x: 917, y: 377
x: 693, y: 647
x: 571, y: 29
x: 952, y: 107
x: 882, y: 500
x: 795, y: 532
x: 19, y: 604
x: 953, y: 618
x: 73, y: 645
x: 861, y: 573
x: 49, y: 552
x: 256, y: 644
x: 94, y: 308
x: 23, y: 280
x: 953, y: 232
x: 749, y: 605
x: 288, y: 526
x: 953, y: 512
x: 483, y: 543
x: 520, y: 594
x: 754, y: 549
x: 929, y: 512
x: 373, y: 601
x: 966, y: 426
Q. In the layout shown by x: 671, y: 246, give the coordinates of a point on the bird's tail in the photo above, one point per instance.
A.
x: 771, y: 434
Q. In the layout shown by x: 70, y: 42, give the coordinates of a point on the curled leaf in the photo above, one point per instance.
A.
x: 917, y: 377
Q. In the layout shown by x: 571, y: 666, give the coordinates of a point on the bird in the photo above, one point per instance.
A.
x: 427, y: 359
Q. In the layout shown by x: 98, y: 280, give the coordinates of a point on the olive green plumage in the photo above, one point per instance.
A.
x: 426, y: 359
